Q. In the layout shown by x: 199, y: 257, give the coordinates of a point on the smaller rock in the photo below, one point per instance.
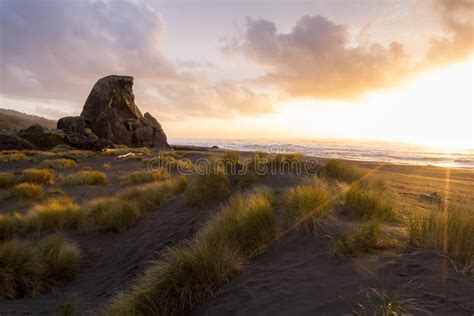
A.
x: 74, y: 124
x: 10, y: 141
x: 41, y: 137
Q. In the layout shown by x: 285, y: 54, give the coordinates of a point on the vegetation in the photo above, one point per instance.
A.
x: 84, y: 177
x: 44, y: 176
x: 450, y: 231
x: 207, y: 187
x: 369, y: 204
x: 306, y: 205
x: 13, y: 156
x: 342, y: 171
x: 7, y: 179
x: 60, y: 164
x: 27, y: 191
x: 30, y: 268
x: 122, y: 211
x: 139, y: 177
x: 189, y: 274
x: 286, y: 163
x: 11, y: 224
x: 125, y: 150
x: 55, y: 214
x: 365, y: 239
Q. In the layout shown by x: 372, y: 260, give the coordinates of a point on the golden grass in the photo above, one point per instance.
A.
x: 32, y: 175
x: 11, y: 224
x: 14, y: 156
x: 84, y: 177
x: 122, y: 151
x: 189, y: 274
x: 30, y: 268
x: 122, y: 211
x: 139, y: 177
x: 208, y: 187
x: 55, y: 214
x: 365, y: 239
x: 286, y: 163
x: 307, y: 205
x: 369, y: 204
x: 450, y: 233
x: 342, y: 171
x: 60, y: 164
x: 7, y: 179
x: 27, y: 191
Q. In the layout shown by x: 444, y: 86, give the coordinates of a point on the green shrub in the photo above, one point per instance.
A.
x: 362, y: 240
x: 306, y: 205
x: 343, y: 171
x: 54, y: 214
x: 60, y: 164
x: 28, y: 269
x: 139, y: 177
x: 27, y: 191
x: 367, y: 204
x: 84, y: 177
x: 44, y: 176
x: 8, y: 179
x: 189, y: 274
x: 208, y: 187
x: 450, y: 231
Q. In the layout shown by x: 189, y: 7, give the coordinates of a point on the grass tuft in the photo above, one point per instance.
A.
x: 60, y: 164
x: 306, y: 205
x: 55, y: 214
x: 365, y: 239
x: 207, y: 187
x: 342, y: 171
x: 139, y: 177
x: 84, y: 177
x: 14, y: 156
x: 7, y: 179
x: 369, y: 204
x: 11, y: 224
x: 27, y: 191
x: 450, y: 233
x: 28, y: 269
x: 44, y: 176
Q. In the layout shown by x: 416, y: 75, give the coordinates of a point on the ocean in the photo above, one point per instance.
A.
x: 350, y: 150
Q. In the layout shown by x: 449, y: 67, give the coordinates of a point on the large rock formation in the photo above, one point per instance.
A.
x: 110, y: 113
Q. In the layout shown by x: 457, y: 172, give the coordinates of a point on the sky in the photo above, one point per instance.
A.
x: 336, y: 69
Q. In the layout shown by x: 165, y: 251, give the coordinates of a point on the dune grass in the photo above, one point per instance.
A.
x: 13, y: 156
x: 307, y: 205
x: 286, y: 163
x: 84, y: 177
x: 139, y: 177
x: 44, y: 176
x: 55, y: 214
x: 7, y: 179
x: 60, y: 164
x: 365, y: 203
x: 27, y: 191
x: 449, y: 231
x: 189, y: 274
x: 122, y: 211
x: 210, y: 186
x: 365, y: 239
x: 342, y: 171
x: 11, y: 224
x: 30, y: 268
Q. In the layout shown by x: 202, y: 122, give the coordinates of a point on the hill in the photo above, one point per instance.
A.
x: 14, y: 120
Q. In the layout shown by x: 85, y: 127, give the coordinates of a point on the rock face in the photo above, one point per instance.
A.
x: 110, y: 114
x: 41, y: 137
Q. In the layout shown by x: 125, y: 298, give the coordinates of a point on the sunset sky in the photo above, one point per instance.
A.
x: 372, y: 70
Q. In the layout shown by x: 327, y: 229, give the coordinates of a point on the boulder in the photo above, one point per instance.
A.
x: 74, y: 124
x: 41, y: 137
x: 10, y: 141
x: 110, y: 113
x: 84, y: 142
x: 111, y: 92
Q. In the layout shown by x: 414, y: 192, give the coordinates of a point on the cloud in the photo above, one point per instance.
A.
x: 316, y: 58
x: 319, y: 59
x: 55, y: 50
